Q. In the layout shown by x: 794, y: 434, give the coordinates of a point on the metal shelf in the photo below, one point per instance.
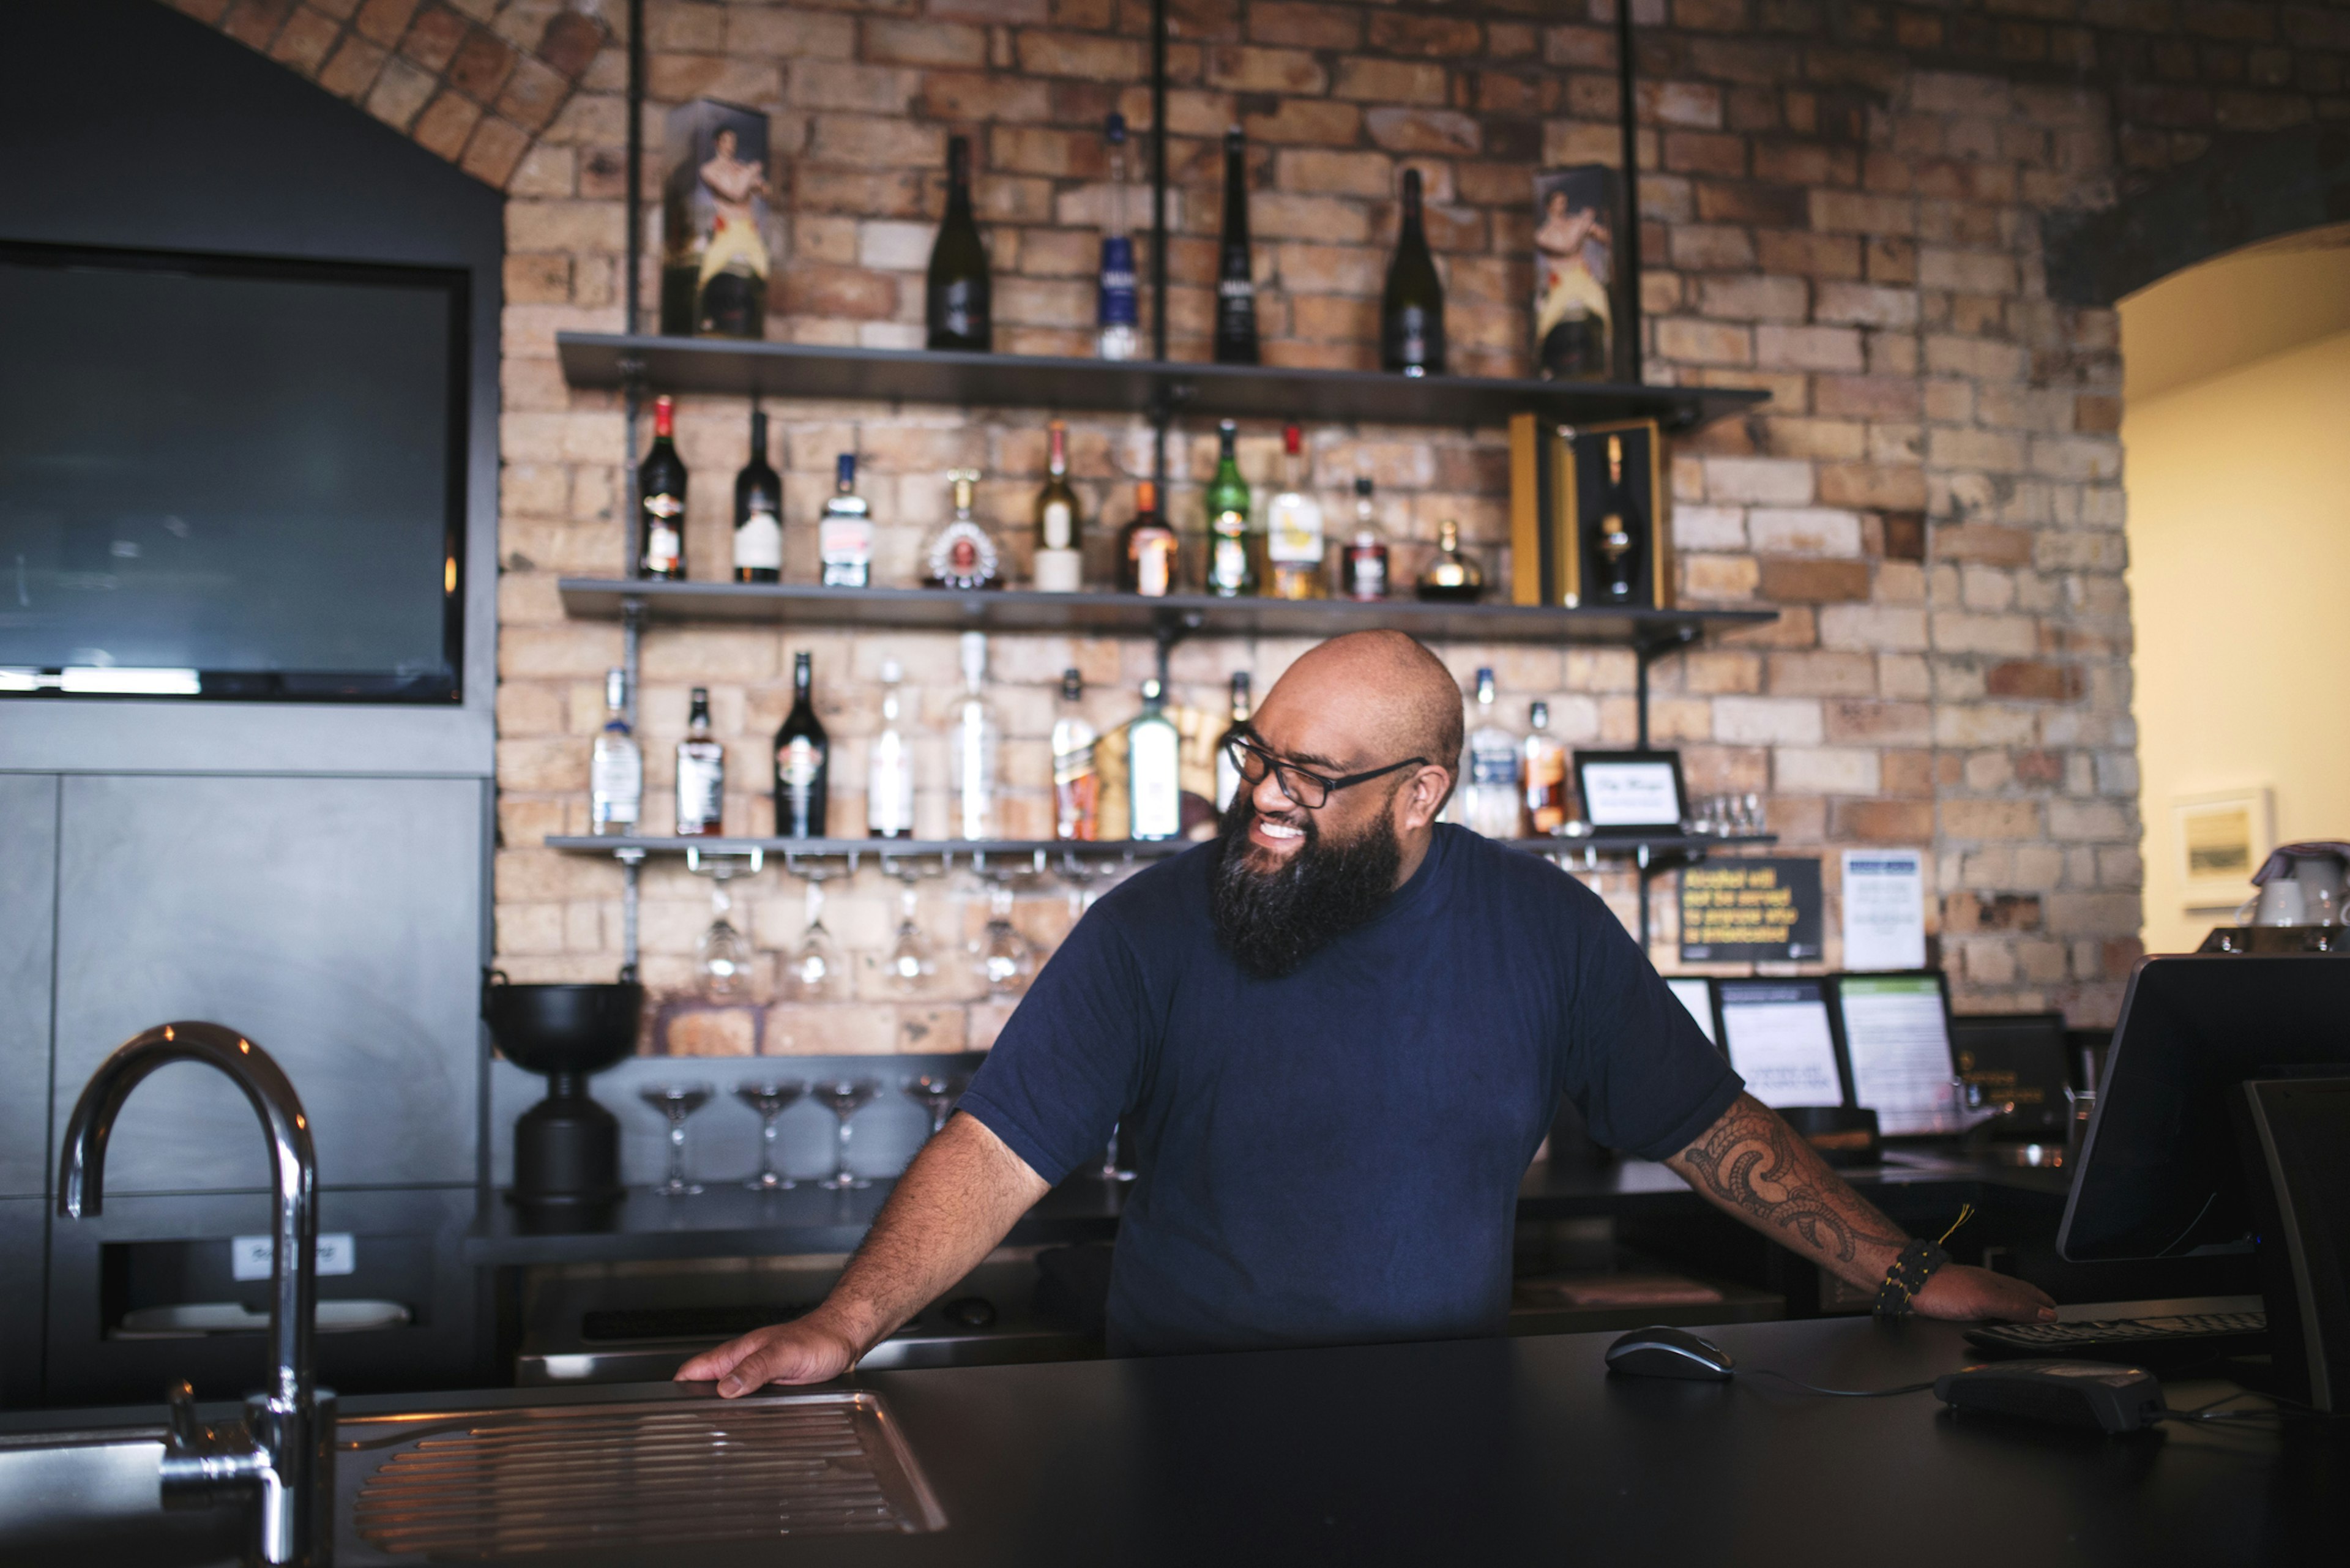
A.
x: 1174, y: 617
x: 1131, y: 386
x: 1654, y: 852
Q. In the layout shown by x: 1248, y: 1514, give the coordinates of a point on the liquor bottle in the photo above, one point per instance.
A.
x: 1115, y: 309
x: 1231, y: 568
x: 1545, y: 775
x: 1147, y: 548
x: 1076, y: 785
x: 661, y: 500
x: 956, y: 297
x: 889, y: 770
x: 1411, y: 312
x: 802, y: 763
x: 1496, y: 795
x: 1617, y: 532
x: 1366, y: 558
x: 701, y: 775
x: 1228, y: 777
x: 1060, y: 563
x: 963, y: 553
x: 971, y: 747
x: 1292, y: 530
x: 1154, y: 770
x: 844, y: 534
x: 1235, y: 339
x: 758, y: 514
x: 1453, y: 576
x: 616, y: 772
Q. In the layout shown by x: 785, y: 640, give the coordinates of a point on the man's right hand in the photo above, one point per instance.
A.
x: 803, y: 1351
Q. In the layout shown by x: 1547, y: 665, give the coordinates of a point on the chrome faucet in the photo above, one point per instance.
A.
x: 281, y: 1455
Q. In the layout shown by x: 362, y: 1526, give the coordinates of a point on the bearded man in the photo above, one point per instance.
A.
x: 1337, y: 1035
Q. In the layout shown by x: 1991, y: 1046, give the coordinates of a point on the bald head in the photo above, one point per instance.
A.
x: 1380, y: 690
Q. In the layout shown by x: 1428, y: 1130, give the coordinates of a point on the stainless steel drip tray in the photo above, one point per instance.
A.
x: 497, y: 1483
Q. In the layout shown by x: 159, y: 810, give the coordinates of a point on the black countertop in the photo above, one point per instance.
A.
x: 726, y: 1220
x: 1526, y: 1451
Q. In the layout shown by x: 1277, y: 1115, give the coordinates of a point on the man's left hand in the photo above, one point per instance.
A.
x: 1964, y: 1294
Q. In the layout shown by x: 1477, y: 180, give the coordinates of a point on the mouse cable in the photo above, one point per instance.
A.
x: 1839, y: 1393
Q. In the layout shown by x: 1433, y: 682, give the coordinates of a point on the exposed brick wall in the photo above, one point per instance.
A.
x: 1842, y: 204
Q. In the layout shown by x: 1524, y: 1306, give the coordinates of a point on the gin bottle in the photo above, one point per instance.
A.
x: 1497, y: 797
x: 616, y: 774
x: 972, y: 747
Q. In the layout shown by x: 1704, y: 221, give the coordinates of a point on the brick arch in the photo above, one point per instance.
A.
x: 2238, y: 191
x: 473, y: 81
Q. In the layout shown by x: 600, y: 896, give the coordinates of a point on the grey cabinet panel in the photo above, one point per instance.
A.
x: 24, y: 1242
x: 29, y: 882
x: 337, y: 922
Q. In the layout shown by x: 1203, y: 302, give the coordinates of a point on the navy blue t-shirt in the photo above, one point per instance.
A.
x: 1334, y: 1157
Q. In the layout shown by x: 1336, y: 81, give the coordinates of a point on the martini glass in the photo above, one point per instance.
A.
x: 677, y: 1102
x: 817, y: 972
x: 937, y: 1096
x: 770, y: 1099
x: 846, y: 1097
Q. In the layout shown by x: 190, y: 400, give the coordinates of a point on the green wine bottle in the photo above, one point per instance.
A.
x: 956, y: 303
x: 1232, y: 563
x: 1411, y: 313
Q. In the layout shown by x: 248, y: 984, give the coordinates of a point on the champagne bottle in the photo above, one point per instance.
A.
x: 1617, y: 532
x: 1232, y: 565
x: 1411, y: 313
x: 661, y: 500
x: 803, y: 761
x: 758, y: 514
x: 1116, y: 311
x: 1147, y: 548
x: 956, y: 299
x: 1236, y: 342
x: 1060, y: 564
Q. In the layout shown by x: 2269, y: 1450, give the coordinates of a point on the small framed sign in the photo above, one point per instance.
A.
x: 1631, y: 792
x: 2222, y: 839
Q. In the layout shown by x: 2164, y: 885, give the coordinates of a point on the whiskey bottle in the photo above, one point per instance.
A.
x: 1060, y: 563
x: 1365, y: 576
x: 616, y: 772
x: 1154, y: 770
x: 1115, y: 312
x: 758, y: 514
x: 701, y: 775
x: 1228, y: 776
x: 1453, y: 576
x: 1292, y: 529
x: 1147, y: 548
x: 1077, y: 784
x: 1232, y: 565
x: 661, y: 500
x: 888, y: 769
x: 1545, y: 775
x: 1411, y: 313
x: 972, y: 746
x: 1235, y: 335
x: 844, y: 534
x: 1617, y: 533
x: 956, y: 303
x: 1496, y: 794
x: 803, y: 761
x: 963, y: 553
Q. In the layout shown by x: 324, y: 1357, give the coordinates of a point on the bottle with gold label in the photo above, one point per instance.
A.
x: 1232, y: 563
x: 1292, y: 529
x: 1617, y: 532
x: 1453, y: 576
x: 963, y: 555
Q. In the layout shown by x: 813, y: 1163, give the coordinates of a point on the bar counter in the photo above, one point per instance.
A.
x: 1520, y: 1450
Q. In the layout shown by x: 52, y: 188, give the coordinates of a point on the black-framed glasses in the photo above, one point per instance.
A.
x: 1303, y: 786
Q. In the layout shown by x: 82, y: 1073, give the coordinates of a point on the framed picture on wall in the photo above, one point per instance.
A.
x: 1581, y: 304
x: 2222, y: 839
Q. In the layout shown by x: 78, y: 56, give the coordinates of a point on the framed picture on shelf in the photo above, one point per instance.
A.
x: 720, y: 235
x: 1628, y: 794
x: 1581, y: 299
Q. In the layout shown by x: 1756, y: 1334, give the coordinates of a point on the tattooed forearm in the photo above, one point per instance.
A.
x: 1752, y: 1165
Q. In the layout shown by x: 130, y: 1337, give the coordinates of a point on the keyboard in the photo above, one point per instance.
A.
x: 2190, y: 1336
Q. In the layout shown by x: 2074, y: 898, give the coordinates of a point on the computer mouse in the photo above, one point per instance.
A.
x: 1662, y: 1352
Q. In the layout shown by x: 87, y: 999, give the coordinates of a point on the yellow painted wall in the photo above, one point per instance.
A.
x: 2239, y: 488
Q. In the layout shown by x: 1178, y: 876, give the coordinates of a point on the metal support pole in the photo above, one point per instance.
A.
x: 1641, y: 657
x: 1628, y: 244
x: 632, y: 383
x: 632, y: 863
x: 1642, y: 855
x: 1160, y: 415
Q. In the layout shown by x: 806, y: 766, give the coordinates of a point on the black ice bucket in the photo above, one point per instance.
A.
x: 567, y: 1146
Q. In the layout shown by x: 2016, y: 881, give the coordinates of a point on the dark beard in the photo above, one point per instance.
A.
x: 1273, y: 921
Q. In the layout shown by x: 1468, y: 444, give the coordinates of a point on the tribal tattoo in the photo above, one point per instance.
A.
x: 1752, y: 1164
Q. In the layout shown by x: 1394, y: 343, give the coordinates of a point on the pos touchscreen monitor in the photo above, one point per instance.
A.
x: 1781, y: 1040
x: 1897, y: 1044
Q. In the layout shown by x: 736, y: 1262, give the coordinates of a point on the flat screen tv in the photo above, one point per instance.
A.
x: 229, y: 477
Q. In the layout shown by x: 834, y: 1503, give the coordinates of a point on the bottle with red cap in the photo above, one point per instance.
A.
x: 1293, y: 528
x: 661, y: 500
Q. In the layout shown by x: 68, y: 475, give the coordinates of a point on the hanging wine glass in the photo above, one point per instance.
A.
x: 910, y: 961
x: 677, y: 1102
x: 937, y: 1096
x: 770, y: 1099
x: 722, y: 959
x: 815, y: 972
x: 1005, y: 959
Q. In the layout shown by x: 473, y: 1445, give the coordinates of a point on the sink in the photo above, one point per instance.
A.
x: 502, y: 1481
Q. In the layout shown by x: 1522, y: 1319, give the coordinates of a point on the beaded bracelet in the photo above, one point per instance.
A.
x: 1907, y: 1276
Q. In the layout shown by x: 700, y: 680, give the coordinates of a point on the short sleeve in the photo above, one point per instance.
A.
x: 1645, y: 1077
x: 1069, y: 1060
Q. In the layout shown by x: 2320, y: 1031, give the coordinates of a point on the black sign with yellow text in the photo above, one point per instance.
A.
x: 1752, y: 910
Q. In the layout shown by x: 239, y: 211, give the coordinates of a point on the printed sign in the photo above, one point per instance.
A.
x: 1883, y: 909
x: 1752, y: 910
x: 249, y: 1257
